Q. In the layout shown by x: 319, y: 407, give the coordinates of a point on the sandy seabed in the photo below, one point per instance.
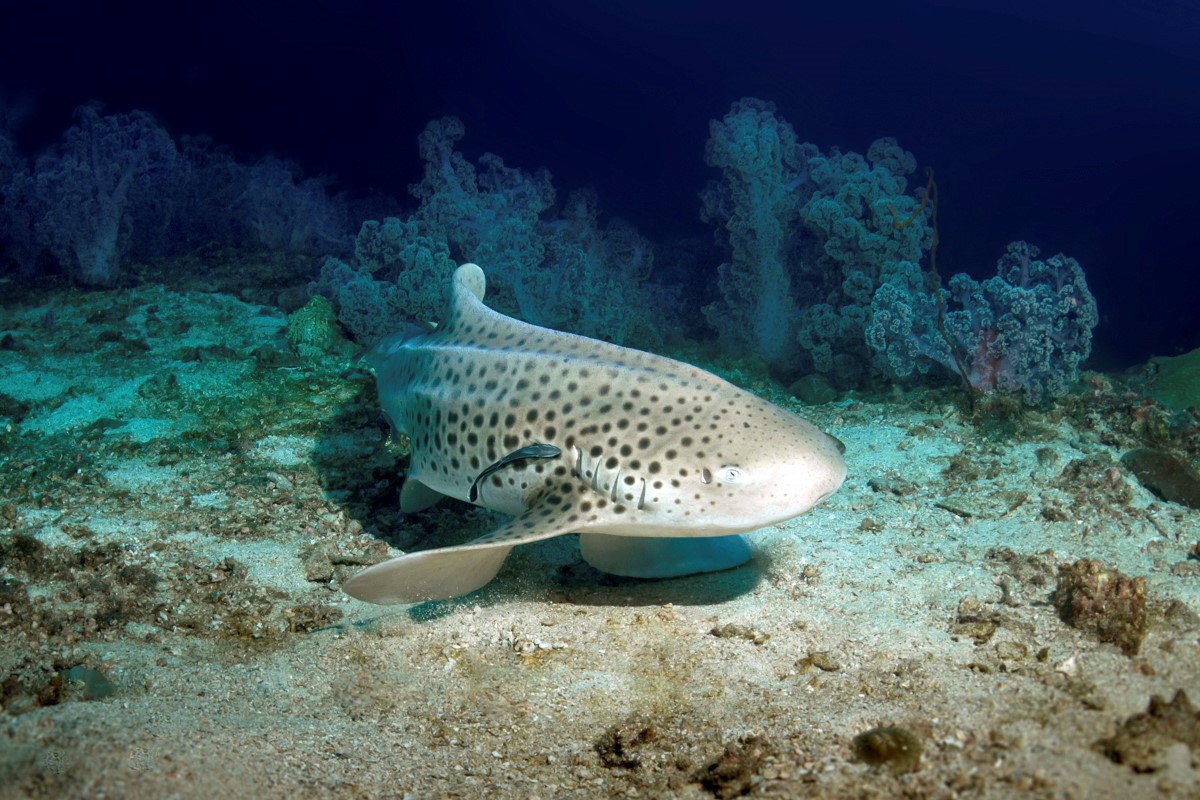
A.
x: 181, y: 496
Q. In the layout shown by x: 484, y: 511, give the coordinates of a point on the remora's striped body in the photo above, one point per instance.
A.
x: 646, y: 447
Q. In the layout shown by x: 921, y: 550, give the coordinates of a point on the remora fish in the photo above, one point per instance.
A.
x: 656, y: 464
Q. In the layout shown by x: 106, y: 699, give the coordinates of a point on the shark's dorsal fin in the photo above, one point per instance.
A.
x: 470, y: 321
x: 471, y: 278
x: 466, y: 298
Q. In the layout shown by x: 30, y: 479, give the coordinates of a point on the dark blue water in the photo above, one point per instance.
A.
x: 1072, y: 127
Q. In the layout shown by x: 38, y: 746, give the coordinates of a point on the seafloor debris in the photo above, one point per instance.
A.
x: 894, y: 747
x: 736, y: 771
x: 1143, y: 740
x: 821, y: 659
x: 732, y: 630
x: 105, y: 591
x: 1104, y: 603
x: 620, y: 745
x: 974, y: 620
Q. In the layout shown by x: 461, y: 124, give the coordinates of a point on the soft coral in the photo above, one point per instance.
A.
x: 86, y: 187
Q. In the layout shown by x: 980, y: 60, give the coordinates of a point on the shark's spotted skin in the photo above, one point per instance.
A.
x: 647, y: 447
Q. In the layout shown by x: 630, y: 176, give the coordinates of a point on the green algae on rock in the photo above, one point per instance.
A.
x: 313, y: 330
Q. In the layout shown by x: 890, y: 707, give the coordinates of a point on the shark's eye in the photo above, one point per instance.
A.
x: 732, y: 474
x: 705, y: 476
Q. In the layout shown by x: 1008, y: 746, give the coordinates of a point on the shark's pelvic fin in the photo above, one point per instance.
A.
x: 416, y: 496
x: 665, y: 557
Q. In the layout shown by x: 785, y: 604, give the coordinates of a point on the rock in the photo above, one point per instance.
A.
x: 1144, y: 740
x: 1104, y: 603
x: 813, y: 390
x: 1168, y: 477
x: 736, y: 771
x: 313, y: 330
x: 896, y: 748
x: 1176, y: 382
x: 318, y: 567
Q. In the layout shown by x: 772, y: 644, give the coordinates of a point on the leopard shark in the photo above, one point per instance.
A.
x: 656, y: 464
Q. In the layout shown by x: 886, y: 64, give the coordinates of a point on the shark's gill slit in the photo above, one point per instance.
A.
x: 586, y: 474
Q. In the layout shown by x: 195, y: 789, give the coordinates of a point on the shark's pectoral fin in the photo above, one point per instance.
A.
x: 662, y: 557
x: 452, y: 571
x: 416, y: 496
x: 427, y: 575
